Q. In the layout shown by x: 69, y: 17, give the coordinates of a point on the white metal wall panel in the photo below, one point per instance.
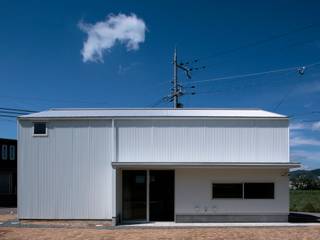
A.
x: 66, y: 175
x: 202, y: 140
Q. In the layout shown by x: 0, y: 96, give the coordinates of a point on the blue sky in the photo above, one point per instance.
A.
x: 41, y: 65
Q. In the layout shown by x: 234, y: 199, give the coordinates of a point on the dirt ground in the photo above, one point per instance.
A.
x: 298, y: 233
x: 8, y: 214
x: 63, y: 230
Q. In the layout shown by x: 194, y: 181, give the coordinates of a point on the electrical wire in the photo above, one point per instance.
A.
x: 257, y: 43
x: 285, y: 97
x: 32, y: 99
x: 252, y: 74
x: 7, y: 120
x: 16, y: 109
x: 294, y: 116
x: 242, y: 75
x: 9, y: 116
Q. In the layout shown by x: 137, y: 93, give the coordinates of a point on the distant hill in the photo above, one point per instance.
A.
x: 315, y: 174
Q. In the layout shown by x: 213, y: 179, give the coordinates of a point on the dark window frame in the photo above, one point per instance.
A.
x: 37, y: 133
x: 226, y: 197
x: 243, y: 195
x: 265, y: 194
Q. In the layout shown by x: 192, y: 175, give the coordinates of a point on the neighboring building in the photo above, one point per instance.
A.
x: 8, y: 172
x: 133, y: 165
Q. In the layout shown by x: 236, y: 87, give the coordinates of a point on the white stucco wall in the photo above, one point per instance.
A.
x: 193, y: 191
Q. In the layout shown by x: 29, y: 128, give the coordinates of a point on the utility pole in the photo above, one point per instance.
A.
x: 175, y: 93
x: 178, y: 89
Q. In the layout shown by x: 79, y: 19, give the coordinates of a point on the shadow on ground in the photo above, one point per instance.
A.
x: 298, y: 217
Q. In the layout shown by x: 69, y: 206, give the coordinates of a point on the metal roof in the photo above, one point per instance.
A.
x: 152, y: 112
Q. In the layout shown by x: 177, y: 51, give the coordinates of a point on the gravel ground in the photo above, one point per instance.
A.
x: 298, y: 233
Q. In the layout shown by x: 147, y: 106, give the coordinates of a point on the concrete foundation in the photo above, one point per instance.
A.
x: 230, y: 218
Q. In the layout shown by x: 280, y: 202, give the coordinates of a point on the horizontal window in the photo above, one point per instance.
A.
x: 243, y: 190
x: 40, y: 128
x: 227, y: 190
x: 259, y: 190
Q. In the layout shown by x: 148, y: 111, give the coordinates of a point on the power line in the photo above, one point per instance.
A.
x: 6, y: 113
x: 157, y: 103
x: 32, y: 99
x: 293, y: 116
x: 256, y: 43
x: 7, y: 119
x: 243, y: 75
x: 9, y: 116
x: 295, y: 85
x: 253, y: 74
x: 16, y: 110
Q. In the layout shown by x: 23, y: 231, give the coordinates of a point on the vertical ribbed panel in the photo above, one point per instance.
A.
x: 202, y: 140
x: 66, y: 175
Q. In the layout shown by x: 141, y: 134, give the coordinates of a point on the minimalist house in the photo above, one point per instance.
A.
x: 138, y: 165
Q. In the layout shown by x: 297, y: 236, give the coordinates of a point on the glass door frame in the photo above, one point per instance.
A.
x: 147, y: 198
x: 147, y: 219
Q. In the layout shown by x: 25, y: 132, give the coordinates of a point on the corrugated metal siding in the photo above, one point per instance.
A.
x: 67, y: 174
x: 202, y: 140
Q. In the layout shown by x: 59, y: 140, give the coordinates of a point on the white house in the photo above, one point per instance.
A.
x: 133, y: 165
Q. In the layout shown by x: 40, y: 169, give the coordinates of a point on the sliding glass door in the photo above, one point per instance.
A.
x: 134, y: 195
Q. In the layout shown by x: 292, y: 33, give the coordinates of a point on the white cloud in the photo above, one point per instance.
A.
x: 102, y: 36
x: 300, y: 141
x: 307, y: 155
x: 308, y: 159
x: 316, y: 126
x: 297, y: 126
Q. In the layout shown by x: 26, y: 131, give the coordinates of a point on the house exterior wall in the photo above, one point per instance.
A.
x: 193, y: 195
x: 207, y: 140
x: 67, y: 174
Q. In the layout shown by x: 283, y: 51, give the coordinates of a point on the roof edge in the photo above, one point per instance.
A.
x: 209, y: 164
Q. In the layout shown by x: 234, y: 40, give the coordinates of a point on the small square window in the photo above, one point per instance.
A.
x: 40, y: 128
